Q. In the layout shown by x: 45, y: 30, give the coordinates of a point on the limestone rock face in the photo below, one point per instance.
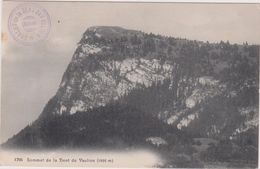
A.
x: 145, y: 88
x: 110, y: 62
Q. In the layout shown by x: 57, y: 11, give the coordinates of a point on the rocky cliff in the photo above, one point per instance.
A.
x: 167, y: 87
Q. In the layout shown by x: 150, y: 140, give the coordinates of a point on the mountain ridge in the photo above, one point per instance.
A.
x: 190, y: 89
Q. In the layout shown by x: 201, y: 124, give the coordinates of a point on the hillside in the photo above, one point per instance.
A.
x: 192, y: 101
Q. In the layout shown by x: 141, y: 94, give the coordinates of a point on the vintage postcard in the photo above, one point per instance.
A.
x: 127, y: 84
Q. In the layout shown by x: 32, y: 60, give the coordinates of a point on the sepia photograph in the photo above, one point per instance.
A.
x: 130, y: 84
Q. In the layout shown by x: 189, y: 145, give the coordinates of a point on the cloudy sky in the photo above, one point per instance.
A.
x: 31, y: 74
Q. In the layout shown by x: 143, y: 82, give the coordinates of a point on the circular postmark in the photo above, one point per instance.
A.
x: 29, y: 23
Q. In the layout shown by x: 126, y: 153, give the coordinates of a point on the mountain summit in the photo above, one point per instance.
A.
x: 102, y: 71
x: 128, y: 88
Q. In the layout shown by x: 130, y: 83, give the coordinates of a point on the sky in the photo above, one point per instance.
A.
x: 31, y: 74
